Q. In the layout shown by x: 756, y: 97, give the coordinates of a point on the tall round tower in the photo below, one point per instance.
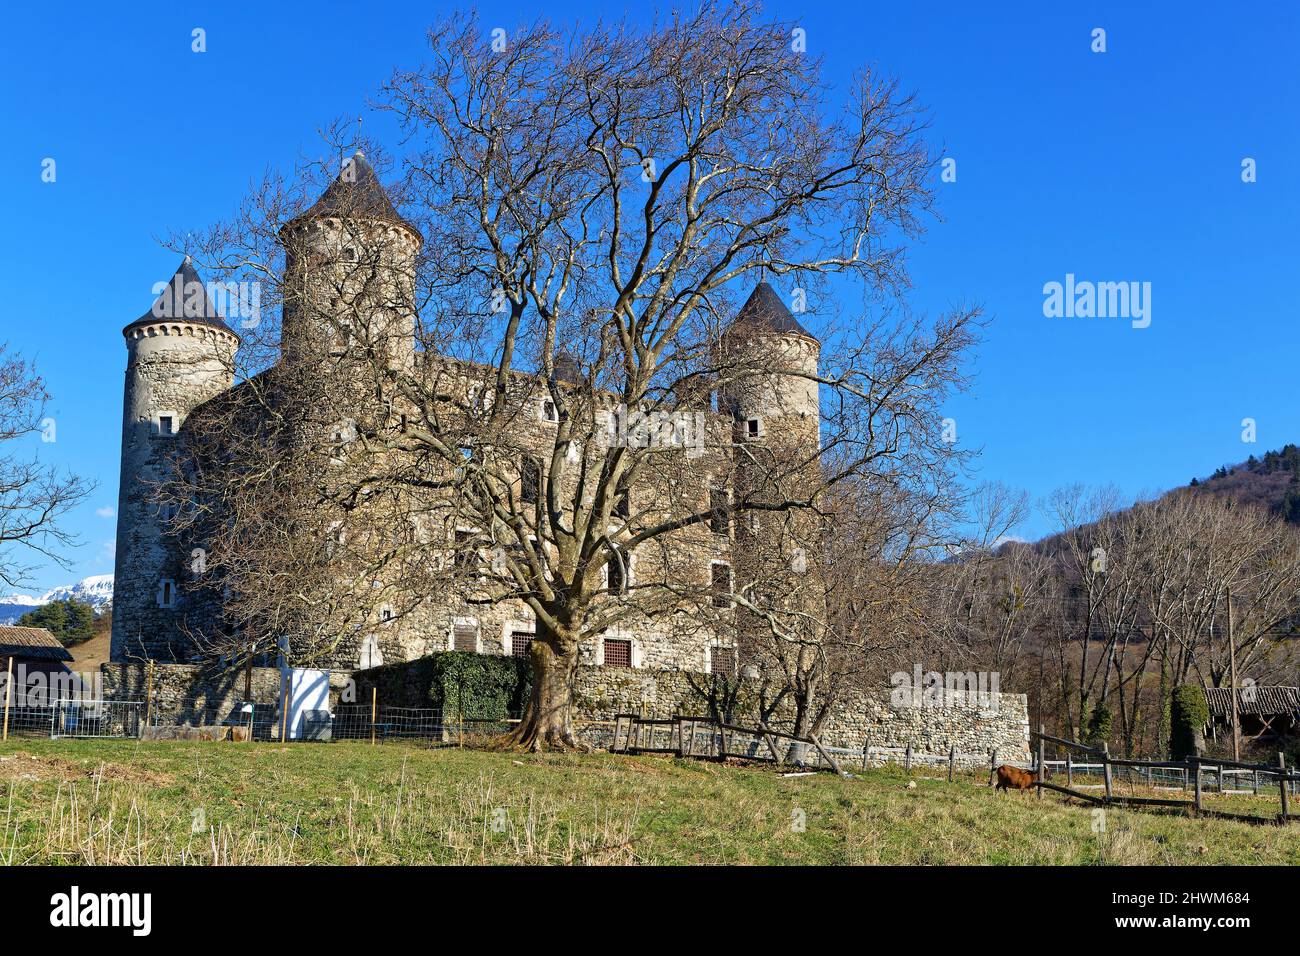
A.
x: 769, y: 364
x: 350, y: 273
x: 179, y: 354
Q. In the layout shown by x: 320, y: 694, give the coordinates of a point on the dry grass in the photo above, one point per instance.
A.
x: 123, y: 802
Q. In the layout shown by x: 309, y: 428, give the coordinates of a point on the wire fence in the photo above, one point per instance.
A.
x: 1215, y: 778
x: 127, y: 718
x: 1146, y: 783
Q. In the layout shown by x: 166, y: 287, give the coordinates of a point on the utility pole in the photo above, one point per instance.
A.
x: 1232, y: 666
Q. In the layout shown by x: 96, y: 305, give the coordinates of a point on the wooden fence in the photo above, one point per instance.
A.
x: 709, y: 739
x: 706, y: 738
x: 1195, y: 770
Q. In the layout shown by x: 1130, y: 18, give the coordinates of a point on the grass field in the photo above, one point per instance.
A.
x: 123, y: 802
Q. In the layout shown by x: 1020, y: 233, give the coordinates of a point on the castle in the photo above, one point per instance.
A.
x: 181, y: 360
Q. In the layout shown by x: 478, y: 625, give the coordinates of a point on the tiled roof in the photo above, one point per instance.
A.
x: 765, y: 311
x: 1253, y: 700
x: 184, y: 298
x: 33, y: 643
x: 356, y: 194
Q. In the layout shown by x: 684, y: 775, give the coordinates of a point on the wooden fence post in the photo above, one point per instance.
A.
x: 9, y: 693
x: 148, y: 692
x: 1285, y: 788
x: 1196, y: 793
x: 907, y: 759
x: 1069, y: 767
x: 866, y: 751
x: 374, y: 710
x: 952, y: 761
x: 1105, y: 768
x: 1042, y: 758
x: 284, y: 708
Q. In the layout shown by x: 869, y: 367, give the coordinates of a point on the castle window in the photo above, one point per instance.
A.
x: 464, y: 635
x: 722, y: 660
x: 548, y: 411
x: 164, y: 424
x: 721, y: 582
x: 753, y: 428
x: 166, y: 593
x: 719, y: 505
x: 623, y: 504
x: 530, y: 480
x: 618, y: 652
x: 350, y: 254
x: 519, y: 643
x: 616, y: 573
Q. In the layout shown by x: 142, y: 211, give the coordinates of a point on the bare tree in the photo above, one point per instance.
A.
x: 34, y: 497
x: 592, y: 206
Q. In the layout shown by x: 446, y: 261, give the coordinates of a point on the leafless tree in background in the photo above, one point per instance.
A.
x: 34, y: 497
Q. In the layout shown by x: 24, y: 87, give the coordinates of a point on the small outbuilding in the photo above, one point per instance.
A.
x: 1266, y: 713
x: 33, y: 647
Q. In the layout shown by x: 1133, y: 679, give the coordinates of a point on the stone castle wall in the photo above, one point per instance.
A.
x: 197, y: 694
x: 861, y: 718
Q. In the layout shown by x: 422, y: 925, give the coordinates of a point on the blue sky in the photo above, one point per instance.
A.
x: 1115, y: 166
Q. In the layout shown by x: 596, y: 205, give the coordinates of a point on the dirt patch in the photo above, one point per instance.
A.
x: 25, y: 766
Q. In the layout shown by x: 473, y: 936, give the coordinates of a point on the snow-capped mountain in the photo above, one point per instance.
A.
x: 96, y: 590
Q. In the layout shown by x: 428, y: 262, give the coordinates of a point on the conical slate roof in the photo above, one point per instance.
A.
x: 764, y: 311
x: 184, y: 298
x: 356, y: 194
x: 567, y: 368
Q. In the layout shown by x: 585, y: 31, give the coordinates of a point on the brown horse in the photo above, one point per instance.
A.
x: 1013, y: 778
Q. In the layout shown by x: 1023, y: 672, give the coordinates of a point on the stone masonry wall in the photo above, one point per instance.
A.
x: 197, y: 694
x: 188, y: 692
x: 972, y: 730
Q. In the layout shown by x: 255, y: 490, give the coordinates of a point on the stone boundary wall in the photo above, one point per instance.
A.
x: 194, y: 693
x: 973, y: 730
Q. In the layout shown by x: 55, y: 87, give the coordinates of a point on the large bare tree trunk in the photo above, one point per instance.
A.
x: 547, y: 722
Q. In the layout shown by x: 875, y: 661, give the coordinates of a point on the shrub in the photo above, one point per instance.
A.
x: 1099, y: 725
x: 1188, y: 715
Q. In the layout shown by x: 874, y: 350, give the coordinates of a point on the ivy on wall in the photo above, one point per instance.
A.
x: 478, y: 686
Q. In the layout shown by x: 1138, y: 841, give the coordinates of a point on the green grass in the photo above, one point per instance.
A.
x: 123, y: 802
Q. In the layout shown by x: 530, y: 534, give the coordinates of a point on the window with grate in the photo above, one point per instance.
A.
x: 721, y: 585
x: 618, y: 652
x: 623, y: 504
x: 519, y: 643
x: 465, y: 637
x: 722, y: 660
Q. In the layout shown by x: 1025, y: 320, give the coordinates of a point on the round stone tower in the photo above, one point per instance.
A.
x: 350, y: 265
x: 767, y: 358
x: 180, y: 354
